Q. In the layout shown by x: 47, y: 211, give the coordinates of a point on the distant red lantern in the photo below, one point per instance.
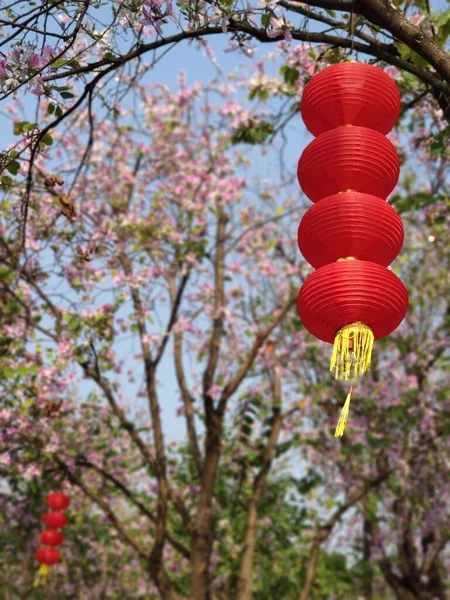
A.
x: 48, y: 556
x: 350, y: 94
x: 58, y: 501
x: 348, y: 158
x: 55, y: 520
x: 51, y: 537
x: 350, y: 224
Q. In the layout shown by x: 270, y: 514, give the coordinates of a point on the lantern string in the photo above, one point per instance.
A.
x: 340, y: 427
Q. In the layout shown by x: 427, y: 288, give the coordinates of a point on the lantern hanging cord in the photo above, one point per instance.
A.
x: 340, y: 427
x: 352, y: 351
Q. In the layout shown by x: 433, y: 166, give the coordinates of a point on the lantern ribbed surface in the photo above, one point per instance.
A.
x: 350, y: 93
x: 354, y: 158
x: 51, y: 537
x: 350, y: 292
x: 58, y: 501
x: 48, y: 556
x: 55, y: 520
x: 350, y: 224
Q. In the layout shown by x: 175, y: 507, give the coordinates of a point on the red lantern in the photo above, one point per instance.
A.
x: 353, y: 291
x: 350, y: 94
x: 51, y: 537
x: 58, y: 501
x: 350, y: 224
x: 48, y: 556
x: 348, y: 158
x: 55, y: 520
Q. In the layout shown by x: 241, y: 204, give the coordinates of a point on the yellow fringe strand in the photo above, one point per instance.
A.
x: 42, y: 576
x: 340, y: 427
x: 352, y: 350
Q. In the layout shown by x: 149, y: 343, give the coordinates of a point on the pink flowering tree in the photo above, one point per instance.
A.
x: 157, y: 280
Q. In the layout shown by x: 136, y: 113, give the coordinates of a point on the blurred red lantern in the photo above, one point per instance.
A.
x: 55, y: 520
x: 58, y: 501
x: 350, y: 224
x: 51, y: 537
x: 350, y: 94
x: 48, y: 556
x: 348, y: 158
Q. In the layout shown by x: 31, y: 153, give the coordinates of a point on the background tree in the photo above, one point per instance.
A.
x: 151, y: 266
x: 142, y: 256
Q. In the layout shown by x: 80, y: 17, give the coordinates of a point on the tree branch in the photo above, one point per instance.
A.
x: 133, y: 498
x: 247, y: 363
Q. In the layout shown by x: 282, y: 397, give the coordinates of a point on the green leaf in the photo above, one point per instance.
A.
x: 13, y: 167
x: 260, y: 93
x: 443, y: 18
x: 252, y: 132
x: 265, y: 20
x: 29, y: 127
x: 22, y: 126
x: 59, y: 62
x: 6, y: 182
x: 409, y: 55
x: 67, y: 95
x: 47, y: 139
x: 290, y: 74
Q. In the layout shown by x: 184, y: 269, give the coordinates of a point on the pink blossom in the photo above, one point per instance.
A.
x: 416, y: 18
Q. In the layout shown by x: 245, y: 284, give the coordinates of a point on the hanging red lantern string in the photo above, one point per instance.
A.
x: 54, y: 520
x: 351, y: 234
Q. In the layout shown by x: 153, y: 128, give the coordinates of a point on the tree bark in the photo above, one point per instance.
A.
x: 244, y: 591
x: 312, y: 565
x: 202, y: 532
x: 368, y: 530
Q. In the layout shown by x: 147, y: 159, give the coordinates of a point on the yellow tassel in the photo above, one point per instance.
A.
x: 340, y: 427
x: 42, y: 576
x: 352, y: 350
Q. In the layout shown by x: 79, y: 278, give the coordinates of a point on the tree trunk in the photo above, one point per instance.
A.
x: 244, y: 591
x: 311, y: 567
x: 368, y: 536
x: 202, y: 533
